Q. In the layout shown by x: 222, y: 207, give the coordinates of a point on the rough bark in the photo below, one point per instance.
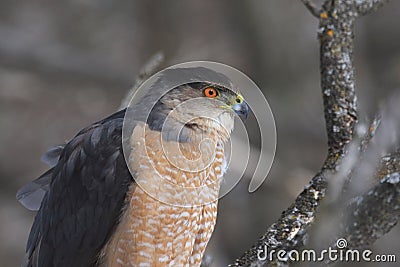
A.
x: 336, y: 34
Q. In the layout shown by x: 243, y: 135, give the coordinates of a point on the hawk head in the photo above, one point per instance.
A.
x: 195, y: 108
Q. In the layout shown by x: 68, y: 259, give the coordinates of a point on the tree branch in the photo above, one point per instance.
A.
x: 369, y: 215
x: 367, y: 6
x: 312, y: 8
x: 375, y: 213
x: 336, y: 32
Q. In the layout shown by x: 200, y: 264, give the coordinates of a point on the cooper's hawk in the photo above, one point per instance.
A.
x: 95, y: 210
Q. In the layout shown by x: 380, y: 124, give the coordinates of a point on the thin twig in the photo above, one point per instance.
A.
x: 150, y: 68
x: 312, y: 8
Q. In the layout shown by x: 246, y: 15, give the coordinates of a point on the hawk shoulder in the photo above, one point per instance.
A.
x: 84, y: 199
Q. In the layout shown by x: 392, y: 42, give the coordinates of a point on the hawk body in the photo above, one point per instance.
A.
x: 152, y: 205
x: 153, y: 233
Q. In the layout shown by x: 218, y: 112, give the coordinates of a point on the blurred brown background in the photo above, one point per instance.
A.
x: 65, y: 64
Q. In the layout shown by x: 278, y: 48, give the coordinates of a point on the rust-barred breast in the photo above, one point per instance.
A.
x: 153, y: 233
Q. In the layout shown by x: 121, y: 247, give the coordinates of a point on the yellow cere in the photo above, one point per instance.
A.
x: 239, y: 98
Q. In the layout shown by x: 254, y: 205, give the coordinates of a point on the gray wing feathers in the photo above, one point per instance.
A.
x: 31, y: 195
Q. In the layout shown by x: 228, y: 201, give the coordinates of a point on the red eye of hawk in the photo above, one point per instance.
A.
x: 210, y: 92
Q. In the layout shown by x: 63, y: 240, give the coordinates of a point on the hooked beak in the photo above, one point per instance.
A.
x: 241, y: 109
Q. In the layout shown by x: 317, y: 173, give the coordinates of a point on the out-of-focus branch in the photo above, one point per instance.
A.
x: 367, y: 6
x: 375, y: 213
x: 336, y: 32
x: 378, y: 211
x: 369, y: 215
x: 150, y: 68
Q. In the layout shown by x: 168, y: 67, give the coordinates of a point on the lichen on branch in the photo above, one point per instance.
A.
x: 336, y: 34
